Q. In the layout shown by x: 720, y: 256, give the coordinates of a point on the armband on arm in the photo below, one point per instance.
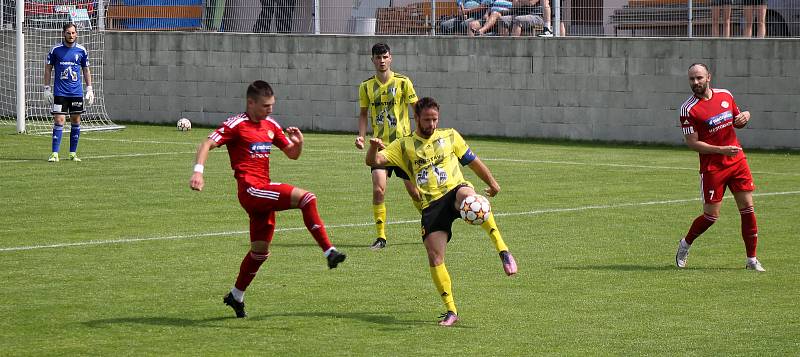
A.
x: 468, y: 157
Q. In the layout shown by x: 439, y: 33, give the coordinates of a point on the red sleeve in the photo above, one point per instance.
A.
x: 279, y: 139
x: 687, y: 125
x: 734, y: 107
x: 224, y: 134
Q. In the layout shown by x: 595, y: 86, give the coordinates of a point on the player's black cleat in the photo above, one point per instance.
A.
x: 379, y: 244
x: 335, y: 258
x: 238, y: 307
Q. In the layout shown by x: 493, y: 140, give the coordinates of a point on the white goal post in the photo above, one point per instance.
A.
x: 28, y: 31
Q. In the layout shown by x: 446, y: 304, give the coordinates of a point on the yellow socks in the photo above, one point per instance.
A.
x: 441, y: 278
x: 494, y: 233
x: 379, y: 212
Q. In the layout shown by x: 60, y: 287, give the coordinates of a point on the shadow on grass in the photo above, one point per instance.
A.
x: 353, y: 246
x: 389, y: 322
x: 639, y: 267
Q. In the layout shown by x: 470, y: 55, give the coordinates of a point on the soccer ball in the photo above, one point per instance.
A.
x: 475, y: 209
x: 184, y: 124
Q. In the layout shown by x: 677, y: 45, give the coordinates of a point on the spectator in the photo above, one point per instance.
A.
x: 548, y: 15
x: 497, y: 8
x: 524, y: 14
x: 721, y: 7
x: 468, y: 11
x: 282, y: 9
x: 760, y: 6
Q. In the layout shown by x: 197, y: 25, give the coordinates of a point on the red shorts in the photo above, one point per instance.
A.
x: 737, y: 177
x: 261, y: 205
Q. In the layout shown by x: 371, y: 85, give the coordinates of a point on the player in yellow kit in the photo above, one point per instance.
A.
x: 384, y: 100
x: 433, y: 157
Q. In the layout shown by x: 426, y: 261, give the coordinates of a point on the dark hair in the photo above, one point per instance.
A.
x: 68, y: 25
x: 425, y: 103
x: 380, y: 48
x: 701, y: 65
x: 259, y: 89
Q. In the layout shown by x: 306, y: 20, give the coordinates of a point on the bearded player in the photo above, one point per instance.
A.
x: 708, y: 119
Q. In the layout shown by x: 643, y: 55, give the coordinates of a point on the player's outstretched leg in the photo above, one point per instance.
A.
x: 314, y: 224
x: 509, y: 263
x: 699, y: 226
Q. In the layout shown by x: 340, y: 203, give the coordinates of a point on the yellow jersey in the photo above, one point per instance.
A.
x: 387, y: 105
x: 433, y: 164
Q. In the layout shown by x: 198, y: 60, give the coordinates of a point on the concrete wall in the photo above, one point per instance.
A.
x: 576, y: 88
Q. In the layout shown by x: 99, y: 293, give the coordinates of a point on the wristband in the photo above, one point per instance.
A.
x: 198, y: 168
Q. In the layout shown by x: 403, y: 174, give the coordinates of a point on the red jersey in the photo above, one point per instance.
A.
x: 712, y: 120
x: 249, y: 145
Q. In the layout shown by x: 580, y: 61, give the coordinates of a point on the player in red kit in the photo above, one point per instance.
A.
x: 708, y: 119
x: 250, y: 137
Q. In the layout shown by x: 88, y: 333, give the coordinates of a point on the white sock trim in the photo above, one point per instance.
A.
x: 328, y: 252
x: 238, y: 295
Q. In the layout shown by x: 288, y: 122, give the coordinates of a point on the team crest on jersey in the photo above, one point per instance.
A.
x: 725, y: 104
x: 393, y: 91
x: 270, y: 134
x: 441, y: 142
x: 77, y: 57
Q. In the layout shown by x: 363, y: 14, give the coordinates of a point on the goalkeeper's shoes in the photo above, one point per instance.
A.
x: 53, y: 157
x: 74, y: 157
x: 334, y: 258
x: 509, y: 263
x: 238, y: 307
x: 754, y: 264
x: 449, y: 319
x: 682, y: 254
x: 379, y: 244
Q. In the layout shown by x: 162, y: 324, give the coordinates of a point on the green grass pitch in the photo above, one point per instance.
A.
x: 116, y: 255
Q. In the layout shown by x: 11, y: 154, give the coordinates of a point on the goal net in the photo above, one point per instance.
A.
x: 42, y: 28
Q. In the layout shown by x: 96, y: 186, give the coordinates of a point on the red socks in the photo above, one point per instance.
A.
x: 700, y: 225
x: 308, y: 205
x: 749, y: 230
x: 247, y: 271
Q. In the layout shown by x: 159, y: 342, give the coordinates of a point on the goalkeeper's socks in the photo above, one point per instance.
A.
x: 308, y: 205
x: 490, y: 226
x: 74, y: 135
x: 379, y: 212
x: 441, y: 278
x: 58, y: 131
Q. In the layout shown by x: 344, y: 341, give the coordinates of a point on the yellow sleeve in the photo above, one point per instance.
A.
x: 460, y: 146
x: 394, y: 154
x: 363, y: 98
x: 411, y: 94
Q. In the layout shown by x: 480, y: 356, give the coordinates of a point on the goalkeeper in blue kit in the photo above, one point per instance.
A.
x: 70, y: 62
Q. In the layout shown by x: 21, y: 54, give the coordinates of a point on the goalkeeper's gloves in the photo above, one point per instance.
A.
x: 89, y: 95
x: 48, y: 95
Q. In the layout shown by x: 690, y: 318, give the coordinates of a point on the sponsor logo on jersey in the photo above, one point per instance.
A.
x: 719, y: 119
x: 260, y: 150
x: 725, y: 104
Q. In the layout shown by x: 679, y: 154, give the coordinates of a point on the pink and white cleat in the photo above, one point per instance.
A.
x: 450, y: 319
x: 509, y: 264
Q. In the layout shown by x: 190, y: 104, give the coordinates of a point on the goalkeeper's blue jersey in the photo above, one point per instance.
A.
x: 67, y: 64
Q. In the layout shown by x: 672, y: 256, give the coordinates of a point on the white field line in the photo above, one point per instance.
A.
x: 351, y: 225
x: 359, y: 152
